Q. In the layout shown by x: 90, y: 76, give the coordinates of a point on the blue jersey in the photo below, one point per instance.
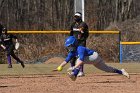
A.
x: 81, y: 52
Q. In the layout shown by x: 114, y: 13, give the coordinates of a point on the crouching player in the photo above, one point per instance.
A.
x: 84, y: 55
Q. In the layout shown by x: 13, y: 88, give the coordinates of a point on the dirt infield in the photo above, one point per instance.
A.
x: 39, y: 78
x: 60, y: 83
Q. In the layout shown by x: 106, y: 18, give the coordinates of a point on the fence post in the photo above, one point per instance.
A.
x: 120, y: 48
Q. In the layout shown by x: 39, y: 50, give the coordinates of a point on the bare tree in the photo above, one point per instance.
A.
x: 58, y: 15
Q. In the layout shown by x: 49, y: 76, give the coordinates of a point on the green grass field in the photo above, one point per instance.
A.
x: 47, y: 68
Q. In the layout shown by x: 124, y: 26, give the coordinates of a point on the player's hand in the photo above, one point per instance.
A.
x: 54, y: 70
x: 81, y: 30
x: 17, y: 45
x: 16, y: 40
x: 58, y: 68
x: 70, y: 69
x: 3, y: 47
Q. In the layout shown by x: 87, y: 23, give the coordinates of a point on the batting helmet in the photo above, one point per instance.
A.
x: 71, y: 40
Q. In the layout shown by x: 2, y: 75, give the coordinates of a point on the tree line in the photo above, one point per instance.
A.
x: 58, y: 15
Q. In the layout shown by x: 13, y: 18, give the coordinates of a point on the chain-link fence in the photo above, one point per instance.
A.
x: 131, y: 53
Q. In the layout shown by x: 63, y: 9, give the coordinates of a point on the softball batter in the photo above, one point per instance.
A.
x: 84, y: 55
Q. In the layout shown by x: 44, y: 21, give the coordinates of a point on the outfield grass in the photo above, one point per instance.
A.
x: 47, y: 68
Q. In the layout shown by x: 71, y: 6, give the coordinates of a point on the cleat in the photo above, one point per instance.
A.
x: 81, y: 74
x: 72, y: 76
x: 125, y: 73
x: 22, y: 64
x: 10, y: 66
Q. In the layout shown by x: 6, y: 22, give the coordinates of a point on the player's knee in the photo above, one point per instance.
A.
x: 93, y: 57
x: 77, y: 60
